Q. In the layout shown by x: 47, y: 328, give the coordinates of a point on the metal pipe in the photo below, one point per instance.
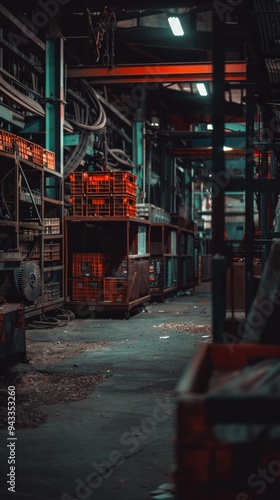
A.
x: 144, y: 162
x: 249, y: 195
x: 218, y: 166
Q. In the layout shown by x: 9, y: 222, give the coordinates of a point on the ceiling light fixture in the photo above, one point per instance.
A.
x: 201, y: 89
x: 176, y: 26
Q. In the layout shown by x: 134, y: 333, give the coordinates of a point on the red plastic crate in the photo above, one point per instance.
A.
x: 124, y: 176
x: 78, y: 205
x: 217, y: 468
x: 87, y: 257
x: 125, y: 187
x: 91, y: 264
x: 124, y: 205
x: 87, y: 289
x: 115, y: 289
x: 23, y: 150
x: 124, y: 183
x: 99, y: 183
x: 49, y: 159
x: 99, y: 206
x: 37, y: 153
x: 7, y: 141
x: 77, y: 183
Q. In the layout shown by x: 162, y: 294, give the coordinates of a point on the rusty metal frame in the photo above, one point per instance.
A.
x: 158, y: 73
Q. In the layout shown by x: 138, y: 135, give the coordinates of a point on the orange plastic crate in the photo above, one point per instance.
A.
x: 124, y: 176
x: 7, y: 141
x: 77, y: 183
x: 35, y: 152
x: 87, y: 289
x: 124, y: 205
x: 115, y: 289
x: 125, y: 187
x: 98, y: 206
x: 89, y: 257
x: 124, y: 183
x: 49, y: 159
x: 23, y: 150
x: 91, y: 264
x: 77, y: 203
x: 99, y: 183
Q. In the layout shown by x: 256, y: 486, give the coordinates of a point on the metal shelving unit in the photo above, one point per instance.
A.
x: 107, y: 264
x: 164, y: 259
x: 31, y: 226
x: 186, y: 271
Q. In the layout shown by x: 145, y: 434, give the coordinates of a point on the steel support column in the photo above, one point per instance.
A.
x: 188, y: 193
x: 149, y: 162
x: 138, y: 156
x: 167, y: 176
x: 218, y: 168
x: 55, y: 98
x: 249, y: 195
x: 265, y: 208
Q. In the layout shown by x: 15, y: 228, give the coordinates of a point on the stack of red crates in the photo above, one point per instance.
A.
x: 26, y: 150
x: 77, y: 193
x: 103, y: 194
x: 88, y: 270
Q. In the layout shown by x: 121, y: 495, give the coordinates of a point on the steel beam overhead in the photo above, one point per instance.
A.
x: 22, y: 28
x: 143, y: 73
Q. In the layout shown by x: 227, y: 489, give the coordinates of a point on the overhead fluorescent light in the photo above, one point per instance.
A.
x: 201, y: 89
x: 227, y: 148
x: 176, y: 26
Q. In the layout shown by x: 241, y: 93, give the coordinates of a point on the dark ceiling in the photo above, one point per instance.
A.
x: 132, y: 32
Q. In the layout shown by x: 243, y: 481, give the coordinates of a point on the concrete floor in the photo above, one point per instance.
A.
x: 118, y: 443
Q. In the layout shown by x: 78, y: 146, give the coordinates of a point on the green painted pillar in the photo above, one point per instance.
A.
x: 167, y: 179
x: 188, y: 193
x: 55, y: 98
x: 218, y: 166
x: 138, y: 136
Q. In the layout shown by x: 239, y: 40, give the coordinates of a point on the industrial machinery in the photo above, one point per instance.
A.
x: 20, y: 285
x: 20, y: 280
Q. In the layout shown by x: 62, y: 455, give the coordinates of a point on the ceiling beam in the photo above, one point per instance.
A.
x: 203, y: 152
x: 192, y: 72
x: 22, y: 28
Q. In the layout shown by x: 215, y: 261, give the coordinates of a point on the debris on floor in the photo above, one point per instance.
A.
x: 34, y: 388
x: 188, y: 327
x: 164, y: 492
x: 53, y: 352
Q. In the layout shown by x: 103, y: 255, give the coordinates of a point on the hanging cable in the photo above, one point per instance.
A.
x: 92, y: 96
x: 126, y: 161
x: 106, y: 28
x: 77, y: 154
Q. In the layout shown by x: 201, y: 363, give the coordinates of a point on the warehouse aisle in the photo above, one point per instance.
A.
x: 118, y: 441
